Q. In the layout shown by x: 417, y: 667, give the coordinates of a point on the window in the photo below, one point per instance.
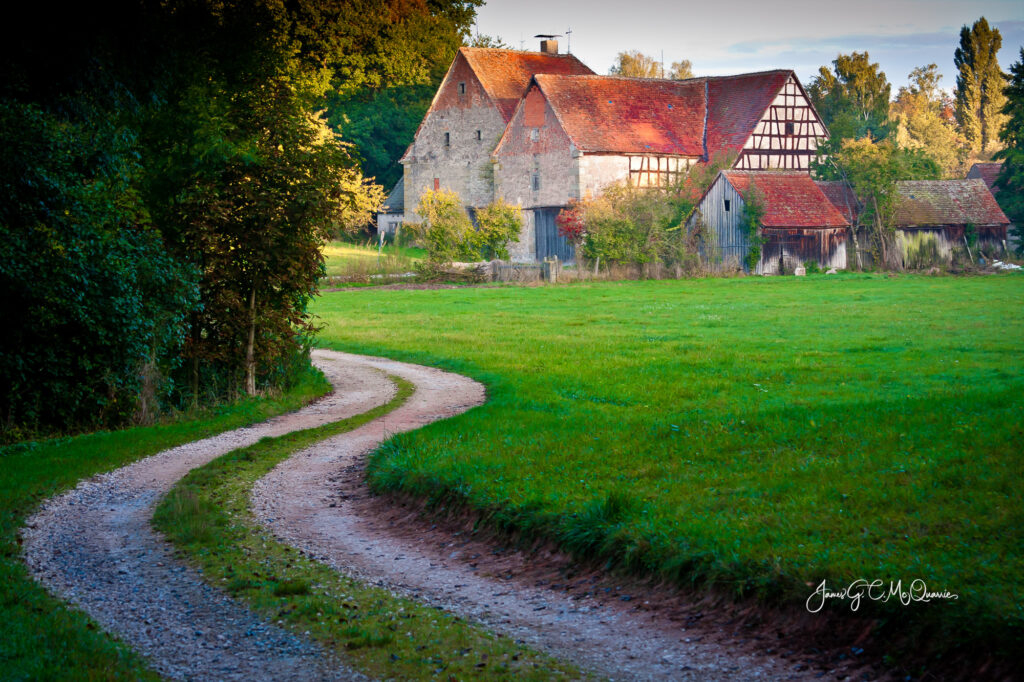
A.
x: 462, y: 88
x: 437, y: 184
x: 534, y: 134
x: 535, y: 181
x: 479, y: 136
x: 727, y: 205
x: 447, y: 139
x: 789, y: 128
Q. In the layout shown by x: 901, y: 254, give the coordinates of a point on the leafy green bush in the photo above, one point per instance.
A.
x: 497, y: 224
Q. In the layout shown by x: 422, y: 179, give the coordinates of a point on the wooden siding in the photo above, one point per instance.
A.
x: 724, y: 245
x: 549, y: 241
x: 787, y: 136
x: 785, y: 250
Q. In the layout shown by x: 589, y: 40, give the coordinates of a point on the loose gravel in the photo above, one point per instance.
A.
x: 93, y: 546
x: 315, y: 501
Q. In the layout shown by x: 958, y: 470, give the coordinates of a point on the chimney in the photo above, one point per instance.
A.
x: 549, y: 46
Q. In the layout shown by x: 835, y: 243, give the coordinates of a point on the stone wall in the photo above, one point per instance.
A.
x: 463, y: 111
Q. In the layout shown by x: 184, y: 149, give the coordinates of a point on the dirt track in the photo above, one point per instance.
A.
x: 94, y: 547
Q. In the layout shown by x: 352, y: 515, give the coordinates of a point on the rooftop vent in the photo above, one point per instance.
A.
x: 548, y: 45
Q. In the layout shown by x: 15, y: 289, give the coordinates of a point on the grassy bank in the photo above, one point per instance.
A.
x: 754, y: 434
x: 40, y: 638
x: 207, y: 515
x: 363, y: 263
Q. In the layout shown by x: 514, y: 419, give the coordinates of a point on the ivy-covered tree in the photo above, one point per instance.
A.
x: 979, y: 84
x: 1010, y: 183
x: 852, y: 97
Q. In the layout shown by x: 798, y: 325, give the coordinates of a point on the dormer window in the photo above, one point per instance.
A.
x: 447, y: 139
x: 462, y: 88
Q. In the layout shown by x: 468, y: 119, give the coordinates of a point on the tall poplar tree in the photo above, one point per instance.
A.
x: 979, y: 84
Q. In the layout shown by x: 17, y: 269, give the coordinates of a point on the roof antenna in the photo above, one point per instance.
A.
x: 568, y: 40
x: 522, y: 42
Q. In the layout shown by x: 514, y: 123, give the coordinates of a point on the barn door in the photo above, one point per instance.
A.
x: 549, y: 242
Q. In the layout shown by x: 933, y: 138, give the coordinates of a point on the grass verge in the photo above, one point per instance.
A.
x: 207, y: 516
x: 40, y: 637
x: 754, y: 435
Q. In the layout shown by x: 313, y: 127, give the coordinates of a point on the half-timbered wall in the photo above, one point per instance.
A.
x: 787, y: 136
x: 657, y: 171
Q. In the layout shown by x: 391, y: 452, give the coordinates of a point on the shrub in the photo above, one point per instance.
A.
x: 446, y: 229
x: 498, y: 224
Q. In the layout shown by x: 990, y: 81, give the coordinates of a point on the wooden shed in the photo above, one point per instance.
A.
x: 799, y: 224
x: 935, y: 216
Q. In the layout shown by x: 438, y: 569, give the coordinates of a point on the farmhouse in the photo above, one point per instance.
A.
x: 540, y: 129
x: 453, y: 145
x: 799, y: 223
x: 933, y: 216
x: 987, y: 172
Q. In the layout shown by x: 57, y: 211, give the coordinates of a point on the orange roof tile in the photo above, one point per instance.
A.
x: 791, y: 199
x: 842, y: 196
x: 634, y: 115
x: 736, y: 104
x: 505, y: 74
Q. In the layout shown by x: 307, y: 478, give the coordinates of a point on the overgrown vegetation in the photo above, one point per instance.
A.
x: 449, y: 235
x: 750, y: 435
x: 41, y: 637
x: 207, y: 515
x: 1009, y: 186
x: 753, y: 214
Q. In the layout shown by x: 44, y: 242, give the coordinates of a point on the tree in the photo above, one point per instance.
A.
x: 494, y: 42
x: 446, y: 231
x: 873, y: 168
x: 979, y: 84
x: 1010, y: 182
x: 853, y: 97
x: 918, y: 113
x: 681, y: 70
x: 497, y: 224
x: 635, y: 64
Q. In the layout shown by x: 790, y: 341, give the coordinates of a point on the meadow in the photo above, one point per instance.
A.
x: 349, y: 262
x: 751, y: 435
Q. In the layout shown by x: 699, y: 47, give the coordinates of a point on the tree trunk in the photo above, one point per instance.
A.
x: 856, y: 247
x: 195, y: 360
x: 250, y: 347
x: 881, y: 235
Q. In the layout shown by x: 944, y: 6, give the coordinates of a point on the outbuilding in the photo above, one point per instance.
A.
x: 798, y: 223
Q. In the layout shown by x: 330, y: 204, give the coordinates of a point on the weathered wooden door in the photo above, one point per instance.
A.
x: 549, y: 242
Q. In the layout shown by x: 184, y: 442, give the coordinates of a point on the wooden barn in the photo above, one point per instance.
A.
x: 987, y: 172
x: 799, y: 223
x: 935, y: 216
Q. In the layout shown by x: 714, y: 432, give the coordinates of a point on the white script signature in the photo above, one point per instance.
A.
x: 875, y: 590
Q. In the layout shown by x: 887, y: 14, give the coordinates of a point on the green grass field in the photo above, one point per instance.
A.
x: 40, y: 638
x: 753, y: 434
x: 346, y: 260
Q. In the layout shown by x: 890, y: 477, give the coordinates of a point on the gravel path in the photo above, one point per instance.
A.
x: 316, y: 501
x: 94, y: 547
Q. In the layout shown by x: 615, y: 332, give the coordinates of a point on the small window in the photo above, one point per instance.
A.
x: 479, y: 136
x: 789, y: 128
x: 447, y: 139
x: 534, y: 134
x: 535, y: 181
x: 462, y: 88
x: 728, y: 205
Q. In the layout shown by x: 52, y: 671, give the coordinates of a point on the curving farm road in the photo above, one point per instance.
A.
x: 94, y: 547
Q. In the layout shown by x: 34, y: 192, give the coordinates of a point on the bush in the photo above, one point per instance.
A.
x: 497, y: 224
x: 448, y: 234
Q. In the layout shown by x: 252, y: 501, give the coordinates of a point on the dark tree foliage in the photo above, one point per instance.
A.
x: 979, y: 83
x: 166, y: 187
x: 1010, y: 183
x: 388, y: 59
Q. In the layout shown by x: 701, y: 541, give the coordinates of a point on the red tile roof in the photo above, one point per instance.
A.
x: 923, y: 203
x: 791, y: 199
x: 842, y: 197
x: 736, y: 104
x: 985, y: 171
x: 636, y: 115
x: 505, y: 74
x: 654, y: 116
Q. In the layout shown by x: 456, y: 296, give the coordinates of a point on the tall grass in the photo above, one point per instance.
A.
x: 754, y: 435
x: 366, y: 263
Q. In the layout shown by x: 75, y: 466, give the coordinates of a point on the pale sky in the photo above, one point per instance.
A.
x: 756, y: 35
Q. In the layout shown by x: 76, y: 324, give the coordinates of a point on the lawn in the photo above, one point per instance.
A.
x: 751, y: 434
x: 41, y: 638
x: 349, y: 261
